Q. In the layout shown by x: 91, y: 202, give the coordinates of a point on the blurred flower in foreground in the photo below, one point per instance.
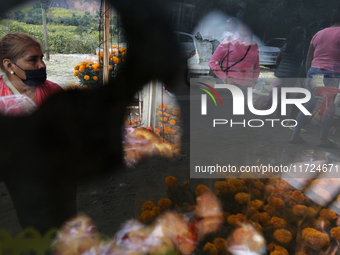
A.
x: 171, y: 231
x: 246, y: 240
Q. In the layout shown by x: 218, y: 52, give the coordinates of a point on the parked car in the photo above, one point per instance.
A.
x: 268, y: 52
x: 195, y: 54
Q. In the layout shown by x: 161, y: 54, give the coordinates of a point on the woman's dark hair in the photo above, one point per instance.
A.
x: 15, y: 45
x: 295, y: 36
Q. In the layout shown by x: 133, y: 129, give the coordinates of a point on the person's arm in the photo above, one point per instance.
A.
x: 215, y: 60
x: 310, y: 55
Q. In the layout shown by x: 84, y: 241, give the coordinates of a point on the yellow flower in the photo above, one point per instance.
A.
x: 164, y: 203
x: 148, y: 206
x: 86, y: 77
x: 83, y: 62
x: 82, y: 68
x: 85, y: 86
x: 220, y: 243
x: 210, y: 248
x: 171, y: 181
x: 116, y: 60
x: 76, y: 73
x: 147, y: 217
x: 172, y: 122
x: 76, y: 67
x: 95, y: 78
x: 110, y: 67
x: 201, y: 189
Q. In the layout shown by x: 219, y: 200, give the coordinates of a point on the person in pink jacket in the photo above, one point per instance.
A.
x: 21, y: 60
x: 236, y: 59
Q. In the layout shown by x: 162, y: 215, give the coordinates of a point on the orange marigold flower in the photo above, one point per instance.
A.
x: 86, y: 77
x: 328, y: 214
x: 220, y: 243
x: 164, y: 203
x: 116, y: 60
x: 172, y: 122
x: 76, y: 67
x: 85, y: 86
x: 147, y: 217
x: 210, y: 248
x: 171, y: 181
x: 335, y: 233
x: 300, y: 210
x: 315, y: 238
x: 83, y: 62
x: 283, y: 236
x: 236, y: 219
x: 95, y: 78
x: 148, y: 206
x: 110, y: 67
x: 82, y: 68
x: 186, y: 183
x: 242, y: 198
x: 201, y: 189
x: 76, y: 73
x: 278, y: 222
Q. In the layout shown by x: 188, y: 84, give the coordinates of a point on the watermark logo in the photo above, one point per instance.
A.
x: 204, y: 97
x: 238, y: 99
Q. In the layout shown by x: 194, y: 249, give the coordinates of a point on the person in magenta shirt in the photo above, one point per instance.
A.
x: 25, y: 71
x: 236, y: 59
x: 323, y: 58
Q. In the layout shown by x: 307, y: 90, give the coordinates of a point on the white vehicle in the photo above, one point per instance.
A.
x: 269, y: 51
x: 196, y: 54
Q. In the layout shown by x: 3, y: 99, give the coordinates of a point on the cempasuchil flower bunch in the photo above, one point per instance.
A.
x: 90, y: 72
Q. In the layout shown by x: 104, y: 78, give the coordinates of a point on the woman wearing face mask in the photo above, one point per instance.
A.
x: 41, y: 200
x: 21, y: 59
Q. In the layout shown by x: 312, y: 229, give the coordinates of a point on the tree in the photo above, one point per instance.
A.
x: 18, y: 15
x: 44, y: 5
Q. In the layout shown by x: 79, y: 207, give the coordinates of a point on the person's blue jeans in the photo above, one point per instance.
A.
x: 331, y: 79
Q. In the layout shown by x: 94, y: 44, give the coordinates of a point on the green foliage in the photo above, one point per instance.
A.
x: 62, y: 13
x: 62, y: 39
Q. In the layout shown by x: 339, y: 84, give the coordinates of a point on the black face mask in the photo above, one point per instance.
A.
x: 34, y: 78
